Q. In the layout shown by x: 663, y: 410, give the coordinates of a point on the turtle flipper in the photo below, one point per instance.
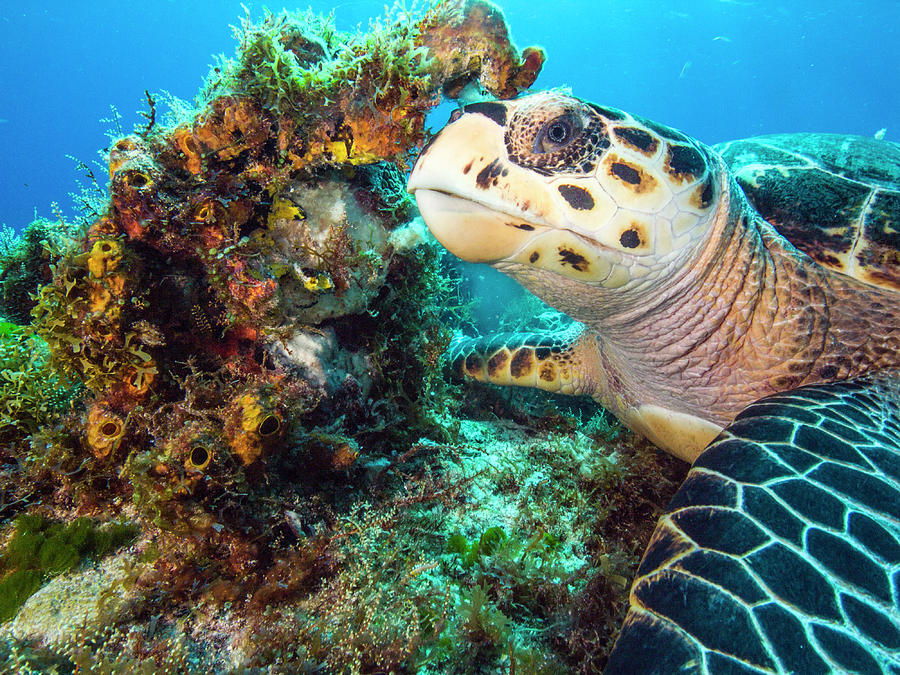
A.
x: 781, y: 551
x: 556, y: 362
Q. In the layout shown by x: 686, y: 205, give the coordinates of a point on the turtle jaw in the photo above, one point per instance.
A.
x: 471, y: 230
x: 469, y: 200
x: 481, y: 233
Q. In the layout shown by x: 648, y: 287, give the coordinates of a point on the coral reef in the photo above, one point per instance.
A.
x: 235, y: 370
x: 470, y: 43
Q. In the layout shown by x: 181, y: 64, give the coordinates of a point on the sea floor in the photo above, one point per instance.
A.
x: 508, y: 549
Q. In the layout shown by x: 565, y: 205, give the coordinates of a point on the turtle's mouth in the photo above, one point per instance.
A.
x: 478, y: 231
x: 473, y: 230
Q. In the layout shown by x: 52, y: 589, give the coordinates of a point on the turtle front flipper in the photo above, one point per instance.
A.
x: 562, y: 363
x: 781, y: 551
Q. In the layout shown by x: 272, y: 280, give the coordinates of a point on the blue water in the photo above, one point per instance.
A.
x: 717, y: 69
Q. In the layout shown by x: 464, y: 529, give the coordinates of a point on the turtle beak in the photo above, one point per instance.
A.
x: 462, y: 182
x: 451, y: 160
x: 468, y: 229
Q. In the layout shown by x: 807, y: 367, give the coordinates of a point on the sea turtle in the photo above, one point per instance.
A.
x: 759, y: 342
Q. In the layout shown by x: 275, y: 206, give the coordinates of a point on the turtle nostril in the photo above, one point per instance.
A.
x: 455, y: 115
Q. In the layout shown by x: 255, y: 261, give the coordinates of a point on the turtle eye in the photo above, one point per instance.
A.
x: 557, y: 133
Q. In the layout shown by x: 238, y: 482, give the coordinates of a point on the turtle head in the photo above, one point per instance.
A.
x: 551, y: 182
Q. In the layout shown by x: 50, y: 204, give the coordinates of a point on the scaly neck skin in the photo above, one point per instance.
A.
x: 752, y: 317
x: 749, y: 318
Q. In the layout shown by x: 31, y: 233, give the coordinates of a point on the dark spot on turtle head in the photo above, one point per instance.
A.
x: 630, y: 239
x: 497, y: 361
x: 522, y: 362
x: 684, y: 161
x: 637, y: 139
x: 608, y: 113
x: 828, y: 372
x: 493, y: 111
x: 547, y: 372
x: 534, y: 257
x: 542, y: 353
x: 473, y: 364
x: 488, y: 175
x: 522, y: 226
x: 577, y: 197
x: 576, y: 260
x: 707, y: 194
x: 468, y: 167
x: 703, y: 195
x: 626, y: 173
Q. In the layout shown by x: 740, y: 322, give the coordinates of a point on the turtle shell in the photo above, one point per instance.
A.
x: 834, y: 197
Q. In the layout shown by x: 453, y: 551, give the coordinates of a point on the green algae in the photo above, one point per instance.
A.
x: 15, y: 589
x: 292, y: 60
x: 33, y: 396
x: 40, y: 549
x: 24, y: 260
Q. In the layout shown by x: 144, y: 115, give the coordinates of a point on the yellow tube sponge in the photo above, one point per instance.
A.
x: 104, y: 430
x: 199, y: 457
x: 184, y: 140
x: 105, y: 256
x: 255, y: 422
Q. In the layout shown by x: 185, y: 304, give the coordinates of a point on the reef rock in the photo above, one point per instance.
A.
x: 75, y: 606
x: 335, y: 251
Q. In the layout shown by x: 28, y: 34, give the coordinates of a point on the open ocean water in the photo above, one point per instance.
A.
x: 716, y: 69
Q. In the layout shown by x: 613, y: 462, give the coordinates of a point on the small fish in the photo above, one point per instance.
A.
x: 687, y: 64
x: 879, y: 135
x: 723, y: 38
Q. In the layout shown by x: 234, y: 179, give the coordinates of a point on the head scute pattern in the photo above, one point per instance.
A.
x: 570, y: 187
x: 638, y: 184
